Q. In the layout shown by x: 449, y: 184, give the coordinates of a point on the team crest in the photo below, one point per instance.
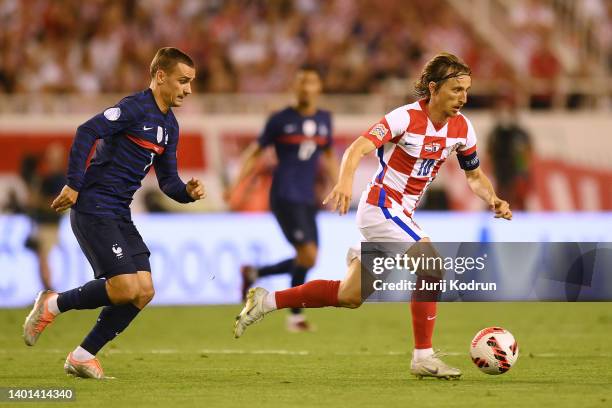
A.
x: 432, y: 147
x: 309, y: 128
x: 160, y: 134
x: 379, y: 131
x: 118, y: 251
x: 112, y: 114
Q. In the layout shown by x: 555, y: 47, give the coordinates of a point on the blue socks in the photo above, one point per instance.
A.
x: 298, y: 276
x: 112, y: 321
x: 91, y: 295
x: 282, y: 267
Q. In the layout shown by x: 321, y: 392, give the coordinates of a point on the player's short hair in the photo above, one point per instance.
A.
x: 166, y: 59
x: 440, y: 68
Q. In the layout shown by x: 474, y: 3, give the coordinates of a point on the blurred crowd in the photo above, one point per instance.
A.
x: 101, y: 46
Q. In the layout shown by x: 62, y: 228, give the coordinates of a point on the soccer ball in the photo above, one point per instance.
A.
x: 494, y: 350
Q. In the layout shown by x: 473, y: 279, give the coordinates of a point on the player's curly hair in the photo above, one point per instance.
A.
x: 440, y: 68
x: 166, y: 58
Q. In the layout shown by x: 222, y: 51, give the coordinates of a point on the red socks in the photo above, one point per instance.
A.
x: 316, y: 293
x: 321, y: 293
x: 423, y: 322
x: 424, y: 309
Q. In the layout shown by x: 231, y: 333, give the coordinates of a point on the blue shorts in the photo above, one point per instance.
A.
x: 112, y: 246
x: 297, y: 220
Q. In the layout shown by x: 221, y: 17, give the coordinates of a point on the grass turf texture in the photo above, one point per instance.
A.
x: 186, y: 356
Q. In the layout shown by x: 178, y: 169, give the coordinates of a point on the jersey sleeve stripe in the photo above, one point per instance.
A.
x: 380, y: 153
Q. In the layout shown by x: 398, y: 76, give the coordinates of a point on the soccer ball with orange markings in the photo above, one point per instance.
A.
x: 494, y: 350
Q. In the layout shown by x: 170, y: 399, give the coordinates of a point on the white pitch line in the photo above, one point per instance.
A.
x: 270, y: 351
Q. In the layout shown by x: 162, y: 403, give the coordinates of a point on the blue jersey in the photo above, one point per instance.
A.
x: 298, y: 141
x: 132, y: 136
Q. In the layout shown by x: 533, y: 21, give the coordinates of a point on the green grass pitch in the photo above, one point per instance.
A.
x: 186, y: 356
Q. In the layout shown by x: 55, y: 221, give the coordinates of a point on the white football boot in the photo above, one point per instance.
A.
x: 432, y: 366
x: 252, y: 312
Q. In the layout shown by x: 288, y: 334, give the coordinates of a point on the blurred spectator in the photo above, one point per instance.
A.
x: 509, y: 149
x: 44, y: 179
x: 154, y: 201
x: 545, y: 68
x: 244, y: 46
x: 436, y: 199
x: 255, y: 46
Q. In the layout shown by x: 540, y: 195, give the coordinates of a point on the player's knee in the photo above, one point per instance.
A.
x: 125, y: 294
x: 350, y: 298
x: 306, y: 261
x: 351, y: 302
x: 307, y: 256
x: 146, y: 295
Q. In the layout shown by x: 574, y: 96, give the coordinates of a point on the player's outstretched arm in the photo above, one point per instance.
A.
x: 169, y: 180
x: 482, y: 187
x: 340, y: 196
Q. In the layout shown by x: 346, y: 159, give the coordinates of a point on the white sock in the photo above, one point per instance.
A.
x: 420, y: 354
x: 80, y: 354
x: 269, y: 302
x: 52, y: 305
x: 296, y: 318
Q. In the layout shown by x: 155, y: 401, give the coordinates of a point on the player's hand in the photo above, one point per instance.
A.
x: 195, y: 189
x: 66, y: 199
x: 339, y: 198
x: 501, y: 208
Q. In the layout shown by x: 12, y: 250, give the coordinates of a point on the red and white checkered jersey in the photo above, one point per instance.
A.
x: 411, y: 151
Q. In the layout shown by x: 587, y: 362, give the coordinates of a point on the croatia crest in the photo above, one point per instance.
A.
x: 432, y: 147
x: 379, y: 131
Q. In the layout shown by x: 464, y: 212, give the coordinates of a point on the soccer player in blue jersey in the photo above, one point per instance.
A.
x: 301, y: 135
x: 137, y: 133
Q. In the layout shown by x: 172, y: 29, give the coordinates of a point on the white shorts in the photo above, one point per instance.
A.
x: 378, y: 224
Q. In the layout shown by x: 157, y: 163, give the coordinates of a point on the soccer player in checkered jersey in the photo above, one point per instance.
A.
x: 136, y: 134
x: 411, y: 142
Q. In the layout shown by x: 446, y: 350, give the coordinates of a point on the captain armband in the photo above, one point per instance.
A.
x: 469, y: 162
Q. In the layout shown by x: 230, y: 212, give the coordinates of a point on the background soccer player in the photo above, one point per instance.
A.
x: 412, y: 142
x: 301, y: 134
x: 137, y: 133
